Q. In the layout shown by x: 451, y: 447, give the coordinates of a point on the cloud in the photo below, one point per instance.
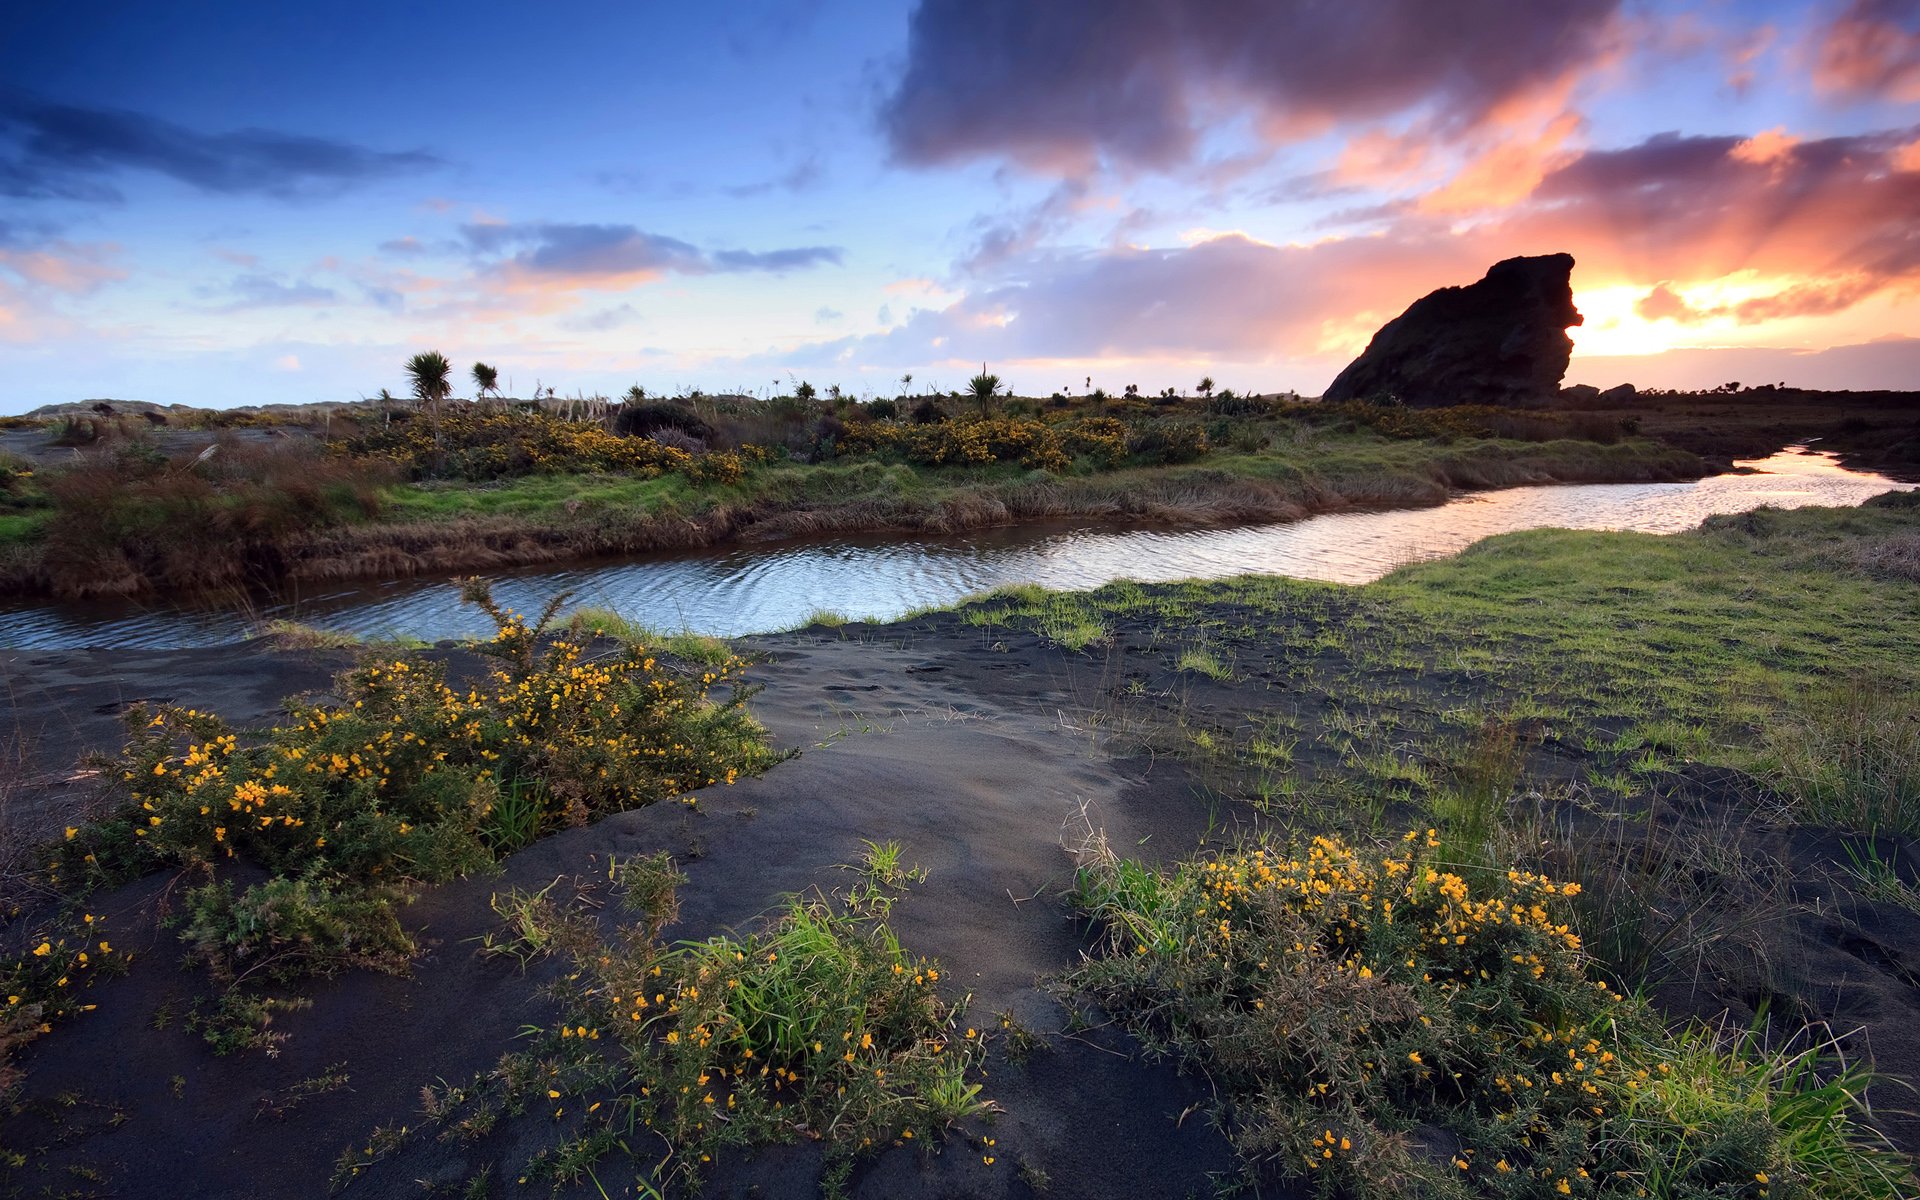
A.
x: 1696, y: 208
x: 1870, y: 50
x: 1730, y: 229
x: 403, y: 247
x: 264, y: 291
x: 826, y: 316
x: 556, y: 255
x: 804, y: 175
x: 62, y: 151
x: 1064, y: 86
x: 63, y: 267
x: 604, y: 319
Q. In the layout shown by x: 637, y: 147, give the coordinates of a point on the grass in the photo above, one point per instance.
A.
x: 1848, y: 757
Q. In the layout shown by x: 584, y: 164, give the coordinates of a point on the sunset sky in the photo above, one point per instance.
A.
x: 227, y: 203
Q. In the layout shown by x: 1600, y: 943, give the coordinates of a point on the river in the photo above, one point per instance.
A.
x: 758, y: 588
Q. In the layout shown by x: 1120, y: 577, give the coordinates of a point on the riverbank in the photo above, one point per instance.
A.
x: 1692, y: 727
x: 456, y: 528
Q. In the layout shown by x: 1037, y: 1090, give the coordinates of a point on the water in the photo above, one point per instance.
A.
x: 755, y: 589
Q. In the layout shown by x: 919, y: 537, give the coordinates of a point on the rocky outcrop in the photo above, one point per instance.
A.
x: 1502, y: 340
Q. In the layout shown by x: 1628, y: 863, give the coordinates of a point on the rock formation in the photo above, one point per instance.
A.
x: 1502, y: 340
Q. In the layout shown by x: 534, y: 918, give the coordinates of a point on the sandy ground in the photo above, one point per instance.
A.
x: 975, y: 782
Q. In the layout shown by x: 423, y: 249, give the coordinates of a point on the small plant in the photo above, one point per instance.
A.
x: 649, y: 888
x: 817, y: 1022
x: 404, y: 781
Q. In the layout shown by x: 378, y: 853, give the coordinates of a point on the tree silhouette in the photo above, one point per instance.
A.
x: 1205, y: 386
x: 486, y: 380
x: 983, y: 387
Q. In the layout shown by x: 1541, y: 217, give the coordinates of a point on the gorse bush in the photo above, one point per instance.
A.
x: 482, y: 444
x: 1386, y: 1030
x: 960, y: 443
x: 817, y: 1024
x: 405, y: 781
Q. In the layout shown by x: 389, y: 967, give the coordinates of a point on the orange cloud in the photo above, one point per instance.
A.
x: 71, y: 269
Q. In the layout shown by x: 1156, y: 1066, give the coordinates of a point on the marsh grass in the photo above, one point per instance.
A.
x: 1848, y: 757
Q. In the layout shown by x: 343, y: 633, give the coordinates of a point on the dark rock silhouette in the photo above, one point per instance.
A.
x: 1502, y: 340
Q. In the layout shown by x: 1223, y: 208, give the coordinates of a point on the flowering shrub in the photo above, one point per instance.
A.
x: 961, y: 443
x: 43, y: 983
x: 1388, y: 1029
x: 486, y: 444
x: 407, y: 779
x: 817, y: 1024
x: 1100, y: 440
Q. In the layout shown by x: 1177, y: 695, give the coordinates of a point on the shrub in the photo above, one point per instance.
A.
x: 403, y: 780
x: 1380, y: 1027
x: 1163, y: 442
x: 1101, y: 441
x: 647, y: 419
x: 482, y: 444
x: 124, y: 525
x: 819, y: 1024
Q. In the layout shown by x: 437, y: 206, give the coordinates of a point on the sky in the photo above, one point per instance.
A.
x: 222, y: 203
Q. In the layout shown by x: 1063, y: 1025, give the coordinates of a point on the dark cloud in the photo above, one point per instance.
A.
x: 827, y: 316
x: 64, y: 151
x: 403, y: 247
x: 1064, y: 84
x: 795, y: 259
x: 1871, y: 50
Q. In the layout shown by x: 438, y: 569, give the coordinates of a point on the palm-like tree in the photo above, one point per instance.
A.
x: 486, y: 380
x: 636, y: 395
x: 984, y: 387
x: 432, y: 377
x: 1205, y: 386
x: 906, y: 381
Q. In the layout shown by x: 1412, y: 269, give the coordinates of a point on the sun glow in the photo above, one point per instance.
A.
x: 1643, y: 319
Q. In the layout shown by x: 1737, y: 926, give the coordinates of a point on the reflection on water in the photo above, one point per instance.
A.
x: 755, y: 589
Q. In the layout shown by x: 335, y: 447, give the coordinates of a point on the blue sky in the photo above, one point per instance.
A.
x: 220, y: 203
